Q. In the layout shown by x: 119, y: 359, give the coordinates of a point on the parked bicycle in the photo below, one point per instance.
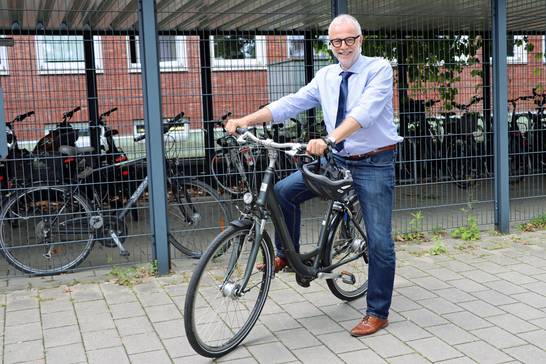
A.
x: 537, y: 133
x: 518, y: 143
x: 16, y: 167
x: 49, y: 229
x: 227, y: 291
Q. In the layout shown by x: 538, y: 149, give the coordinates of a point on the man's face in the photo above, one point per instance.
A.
x: 347, y: 55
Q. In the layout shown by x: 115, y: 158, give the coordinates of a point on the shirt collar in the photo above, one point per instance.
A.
x: 357, y: 67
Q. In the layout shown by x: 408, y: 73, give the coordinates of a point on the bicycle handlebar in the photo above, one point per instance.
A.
x: 69, y: 114
x: 245, y: 135
x: 107, y: 113
x: 473, y: 100
x: 22, y: 117
x: 166, y: 127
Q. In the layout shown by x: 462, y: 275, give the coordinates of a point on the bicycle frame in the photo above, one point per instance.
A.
x: 268, y: 207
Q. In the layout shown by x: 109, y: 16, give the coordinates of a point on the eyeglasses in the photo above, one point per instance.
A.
x: 349, y: 41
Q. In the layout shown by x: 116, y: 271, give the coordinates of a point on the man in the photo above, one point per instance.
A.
x: 356, y: 99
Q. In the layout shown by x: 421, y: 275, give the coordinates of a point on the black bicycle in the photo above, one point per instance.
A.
x: 227, y: 291
x: 50, y: 229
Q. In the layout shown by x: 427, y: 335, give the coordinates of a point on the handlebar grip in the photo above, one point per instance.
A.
x: 225, y: 116
x: 177, y: 117
x: 139, y: 138
x: 241, y: 131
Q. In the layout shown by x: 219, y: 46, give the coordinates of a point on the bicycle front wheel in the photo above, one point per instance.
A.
x: 46, y: 230
x: 217, y: 316
x: 347, y: 244
x: 196, y: 215
x: 231, y: 173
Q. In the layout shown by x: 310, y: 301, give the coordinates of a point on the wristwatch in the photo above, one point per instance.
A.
x: 329, y: 140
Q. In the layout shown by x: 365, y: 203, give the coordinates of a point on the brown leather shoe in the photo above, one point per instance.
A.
x: 279, y: 262
x: 369, y: 325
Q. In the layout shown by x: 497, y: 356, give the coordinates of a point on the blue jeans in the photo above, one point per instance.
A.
x: 373, y: 181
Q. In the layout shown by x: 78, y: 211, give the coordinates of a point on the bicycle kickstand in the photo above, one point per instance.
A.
x: 122, y: 251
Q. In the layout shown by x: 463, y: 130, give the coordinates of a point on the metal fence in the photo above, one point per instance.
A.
x: 85, y: 65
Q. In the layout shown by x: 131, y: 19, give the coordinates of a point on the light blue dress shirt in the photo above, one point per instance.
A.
x: 369, y: 102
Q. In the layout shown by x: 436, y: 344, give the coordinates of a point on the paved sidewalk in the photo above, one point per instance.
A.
x: 483, y: 302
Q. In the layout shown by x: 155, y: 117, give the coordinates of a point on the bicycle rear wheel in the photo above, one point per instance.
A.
x: 232, y: 173
x: 344, y: 244
x: 196, y: 215
x: 46, y: 230
x: 217, y: 317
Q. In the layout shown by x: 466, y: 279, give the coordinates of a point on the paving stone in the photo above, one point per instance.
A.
x: 154, y: 299
x: 114, y: 355
x: 61, y: 336
x: 482, y: 352
x: 24, y: 332
x: 177, y: 347
x: 454, y: 295
x: 434, y: 349
x: 440, y: 305
x: 481, y: 308
x: 401, y: 303
x: 141, y: 343
x: 362, y: 356
x: 386, y: 345
x: 101, y: 339
x: 163, y: 313
x: 342, y: 312
x: 340, y: 342
x: 58, y: 319
x: 524, y: 311
x: 320, y: 324
x: 317, y: 355
x: 14, y: 318
x: 498, y: 338
x: 67, y: 354
x: 495, y: 297
x: 444, y: 273
x: 321, y: 298
x: 279, y: 321
x: 155, y: 357
x: 297, y: 338
x: 467, y: 320
x: 95, y: 322
x: 416, y: 293
x: 286, y: 296
x: 260, y: 335
x: 409, y: 358
x: 133, y: 325
x: 467, y: 285
x: 169, y: 329
x: 537, y: 287
x: 24, y: 351
x: 451, y: 334
x: 457, y: 266
x: 86, y: 292
x: 126, y: 309
x: 530, y: 298
x: 538, y: 338
x: 91, y: 307
x: 18, y: 302
x: 431, y: 283
x: 511, y: 323
x: 516, y: 278
x: 506, y: 287
x: 528, y: 354
x: 424, y: 317
x: 407, y: 330
x: 270, y: 307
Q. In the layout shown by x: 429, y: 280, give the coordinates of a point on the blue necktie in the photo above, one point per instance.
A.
x: 342, y: 103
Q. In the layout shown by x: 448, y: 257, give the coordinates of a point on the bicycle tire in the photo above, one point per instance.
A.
x: 42, y: 204
x: 231, y: 176
x: 339, y: 247
x: 209, y: 287
x: 196, y: 215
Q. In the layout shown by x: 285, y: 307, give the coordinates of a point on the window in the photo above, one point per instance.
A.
x: 516, y: 49
x: 231, y: 52
x: 172, y: 53
x: 177, y: 133
x: 296, y: 45
x: 63, y: 54
x: 3, y: 60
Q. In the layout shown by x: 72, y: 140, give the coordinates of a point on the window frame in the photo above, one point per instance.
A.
x: 4, y: 66
x: 258, y: 63
x: 180, y: 65
x: 520, y: 53
x: 76, y: 67
x: 291, y: 38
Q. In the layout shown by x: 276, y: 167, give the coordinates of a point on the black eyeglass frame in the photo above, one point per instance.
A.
x: 349, y: 41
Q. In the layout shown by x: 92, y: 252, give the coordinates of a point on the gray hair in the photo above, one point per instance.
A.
x: 345, y: 18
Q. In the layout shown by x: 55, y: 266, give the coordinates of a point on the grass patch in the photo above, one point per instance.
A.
x: 469, y: 232
x: 129, y: 276
x: 536, y: 223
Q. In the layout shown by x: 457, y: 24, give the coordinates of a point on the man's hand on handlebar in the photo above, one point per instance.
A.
x: 316, y: 147
x: 232, y: 125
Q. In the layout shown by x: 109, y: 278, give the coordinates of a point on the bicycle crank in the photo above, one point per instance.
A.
x: 346, y: 277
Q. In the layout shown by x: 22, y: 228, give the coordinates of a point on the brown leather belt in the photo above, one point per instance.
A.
x: 358, y: 157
